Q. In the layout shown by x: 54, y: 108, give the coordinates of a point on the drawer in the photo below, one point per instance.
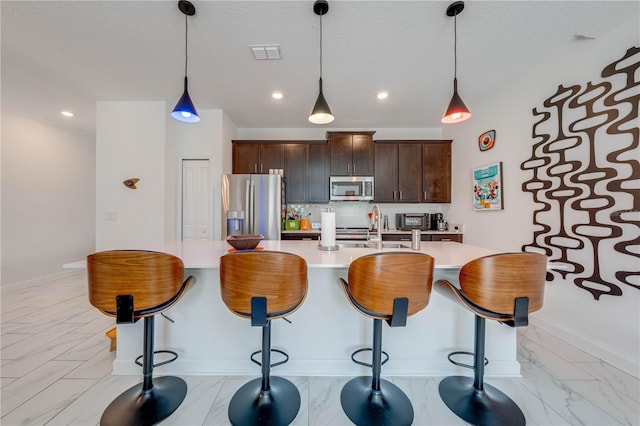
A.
x: 447, y: 237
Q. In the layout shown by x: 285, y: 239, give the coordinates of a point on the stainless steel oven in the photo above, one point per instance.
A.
x: 351, y: 188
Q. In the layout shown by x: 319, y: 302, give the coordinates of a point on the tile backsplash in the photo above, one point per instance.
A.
x: 355, y: 214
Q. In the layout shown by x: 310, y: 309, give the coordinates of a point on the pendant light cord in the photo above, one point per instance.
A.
x: 321, y: 46
x: 455, y: 46
x: 186, y: 43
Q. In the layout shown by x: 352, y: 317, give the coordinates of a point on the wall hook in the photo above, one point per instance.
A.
x: 130, y: 183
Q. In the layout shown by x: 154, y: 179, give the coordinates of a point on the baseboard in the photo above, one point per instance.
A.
x: 628, y: 366
x: 42, y: 279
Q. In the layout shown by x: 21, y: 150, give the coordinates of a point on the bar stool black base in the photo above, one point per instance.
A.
x: 135, y: 407
x: 489, y: 406
x: 364, y: 406
x: 277, y: 406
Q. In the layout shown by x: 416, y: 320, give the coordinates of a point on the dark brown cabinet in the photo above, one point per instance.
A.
x: 295, y: 167
x: 447, y: 237
x: 318, y: 171
x: 398, y: 172
x: 305, y: 165
x: 423, y: 237
x: 405, y: 171
x: 307, y: 173
x: 257, y: 157
x: 436, y: 173
x: 351, y: 153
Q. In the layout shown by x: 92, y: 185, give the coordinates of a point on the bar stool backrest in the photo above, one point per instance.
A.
x: 376, y: 280
x: 279, y: 277
x: 152, y: 278
x: 494, y: 282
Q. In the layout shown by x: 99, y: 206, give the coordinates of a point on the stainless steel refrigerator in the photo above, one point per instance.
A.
x: 252, y: 204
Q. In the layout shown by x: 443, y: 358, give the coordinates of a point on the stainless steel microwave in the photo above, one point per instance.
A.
x: 351, y: 188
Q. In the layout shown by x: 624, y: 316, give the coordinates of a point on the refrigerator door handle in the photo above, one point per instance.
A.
x: 251, y: 204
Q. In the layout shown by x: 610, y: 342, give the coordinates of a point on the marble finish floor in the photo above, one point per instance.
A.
x: 55, y: 370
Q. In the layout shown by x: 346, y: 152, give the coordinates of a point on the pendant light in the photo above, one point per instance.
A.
x: 184, y: 109
x: 457, y: 110
x: 321, y: 113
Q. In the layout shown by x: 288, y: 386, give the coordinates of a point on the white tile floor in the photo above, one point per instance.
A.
x: 56, y: 371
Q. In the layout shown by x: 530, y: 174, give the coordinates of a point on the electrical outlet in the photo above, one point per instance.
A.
x: 456, y: 227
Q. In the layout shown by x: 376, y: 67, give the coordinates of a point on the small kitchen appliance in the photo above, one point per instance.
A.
x: 351, y: 188
x: 409, y: 221
x: 435, y: 218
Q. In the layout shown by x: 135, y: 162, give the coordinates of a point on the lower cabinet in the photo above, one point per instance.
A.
x: 299, y: 236
x: 447, y: 237
x: 423, y: 237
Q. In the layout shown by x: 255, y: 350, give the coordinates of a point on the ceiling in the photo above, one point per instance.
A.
x: 69, y: 54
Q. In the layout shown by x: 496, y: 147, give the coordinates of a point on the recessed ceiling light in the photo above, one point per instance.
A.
x: 382, y: 95
x: 67, y: 113
x: 277, y: 95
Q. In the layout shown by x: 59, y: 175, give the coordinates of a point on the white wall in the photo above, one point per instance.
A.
x: 208, y: 139
x: 319, y: 133
x: 48, y: 199
x: 610, y: 327
x: 130, y: 143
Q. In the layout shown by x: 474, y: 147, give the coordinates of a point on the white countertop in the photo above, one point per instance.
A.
x: 206, y: 254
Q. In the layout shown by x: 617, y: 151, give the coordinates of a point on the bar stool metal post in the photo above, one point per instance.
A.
x: 385, y: 287
x: 129, y: 285
x: 263, y: 286
x: 505, y: 288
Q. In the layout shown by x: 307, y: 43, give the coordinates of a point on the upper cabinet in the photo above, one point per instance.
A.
x: 305, y: 165
x: 306, y: 170
x: 436, y: 172
x: 318, y: 170
x: 257, y: 157
x: 398, y: 172
x: 405, y: 171
x: 415, y: 171
x: 351, y: 153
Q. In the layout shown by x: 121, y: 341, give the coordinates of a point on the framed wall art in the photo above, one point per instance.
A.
x: 487, y: 187
x: 487, y: 140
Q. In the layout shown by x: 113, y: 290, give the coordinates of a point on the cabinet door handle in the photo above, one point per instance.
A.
x: 255, y: 168
x: 394, y: 195
x: 400, y: 192
x: 425, y: 195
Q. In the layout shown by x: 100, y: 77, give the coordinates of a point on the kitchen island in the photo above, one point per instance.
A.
x: 325, y: 330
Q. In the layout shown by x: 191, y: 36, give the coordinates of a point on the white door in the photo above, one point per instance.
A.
x: 197, y: 204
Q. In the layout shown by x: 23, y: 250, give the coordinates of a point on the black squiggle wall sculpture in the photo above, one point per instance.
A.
x: 586, y: 179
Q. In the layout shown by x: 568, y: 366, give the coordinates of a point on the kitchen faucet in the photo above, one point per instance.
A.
x: 376, y: 214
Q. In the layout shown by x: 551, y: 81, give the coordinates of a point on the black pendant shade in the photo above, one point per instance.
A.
x: 321, y: 113
x: 457, y: 110
x: 184, y: 109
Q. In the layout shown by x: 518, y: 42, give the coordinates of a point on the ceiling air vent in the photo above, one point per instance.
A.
x: 266, y: 52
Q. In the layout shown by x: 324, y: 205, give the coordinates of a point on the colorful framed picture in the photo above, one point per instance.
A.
x: 487, y: 187
x: 486, y: 140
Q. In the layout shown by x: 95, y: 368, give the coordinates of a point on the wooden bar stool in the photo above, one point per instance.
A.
x: 389, y: 287
x: 505, y: 288
x: 263, y: 286
x: 129, y: 285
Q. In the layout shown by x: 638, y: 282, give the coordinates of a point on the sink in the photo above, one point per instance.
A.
x: 372, y: 245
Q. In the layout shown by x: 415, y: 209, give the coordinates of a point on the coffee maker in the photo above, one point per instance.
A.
x: 434, y: 218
